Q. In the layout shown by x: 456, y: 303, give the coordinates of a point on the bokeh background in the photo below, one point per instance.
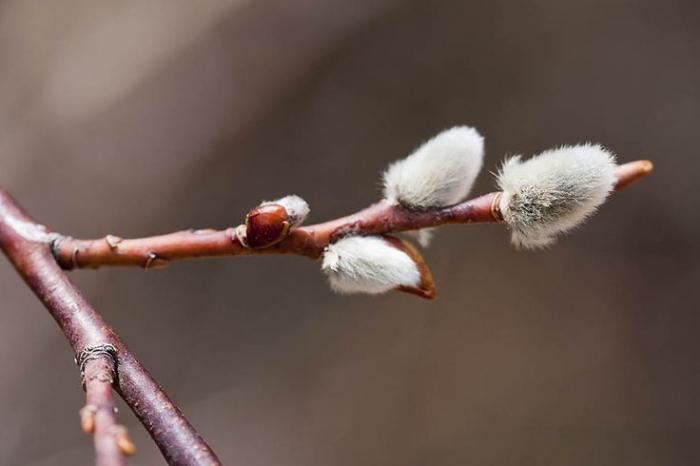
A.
x: 143, y: 117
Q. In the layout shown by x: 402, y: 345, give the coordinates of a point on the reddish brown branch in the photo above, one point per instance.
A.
x: 380, y: 218
x: 27, y: 246
x: 630, y: 172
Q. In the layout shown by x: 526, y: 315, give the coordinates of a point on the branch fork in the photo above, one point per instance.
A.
x: 101, y: 355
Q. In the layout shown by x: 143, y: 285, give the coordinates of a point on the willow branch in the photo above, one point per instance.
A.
x: 98, y: 415
x: 309, y: 241
x: 28, y: 247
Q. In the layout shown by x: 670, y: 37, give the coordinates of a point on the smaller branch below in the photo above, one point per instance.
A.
x: 27, y: 245
x: 98, y: 416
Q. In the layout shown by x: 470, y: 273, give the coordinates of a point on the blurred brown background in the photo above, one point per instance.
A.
x: 138, y: 118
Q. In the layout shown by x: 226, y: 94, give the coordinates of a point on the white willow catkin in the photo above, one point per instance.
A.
x: 553, y: 192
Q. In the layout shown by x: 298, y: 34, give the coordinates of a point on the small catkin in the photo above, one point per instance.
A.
x: 439, y: 173
x: 368, y: 264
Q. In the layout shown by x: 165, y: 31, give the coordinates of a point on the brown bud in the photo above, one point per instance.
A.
x: 121, y: 437
x: 426, y: 288
x: 87, y: 418
x: 266, y: 225
x: 153, y: 261
x: 113, y: 241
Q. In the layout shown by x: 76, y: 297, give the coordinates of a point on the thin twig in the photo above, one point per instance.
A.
x: 98, y: 415
x: 380, y: 218
x: 28, y: 246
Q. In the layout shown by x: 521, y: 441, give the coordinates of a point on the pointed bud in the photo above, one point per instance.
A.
x: 271, y: 221
x: 554, y: 191
x: 439, y: 173
x: 374, y: 264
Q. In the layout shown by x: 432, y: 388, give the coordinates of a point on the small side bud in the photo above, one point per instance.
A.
x: 123, y: 441
x: 113, y: 241
x: 266, y: 225
x: 374, y: 265
x: 271, y: 221
x: 87, y: 418
x: 554, y: 192
x: 439, y: 173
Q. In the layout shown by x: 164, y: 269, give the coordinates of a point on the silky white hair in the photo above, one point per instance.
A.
x: 296, y: 207
x: 553, y: 192
x: 368, y: 264
x: 439, y: 173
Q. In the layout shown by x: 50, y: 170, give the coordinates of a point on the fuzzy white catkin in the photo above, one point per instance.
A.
x: 553, y: 192
x: 439, y: 173
x: 368, y: 264
x: 296, y: 207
